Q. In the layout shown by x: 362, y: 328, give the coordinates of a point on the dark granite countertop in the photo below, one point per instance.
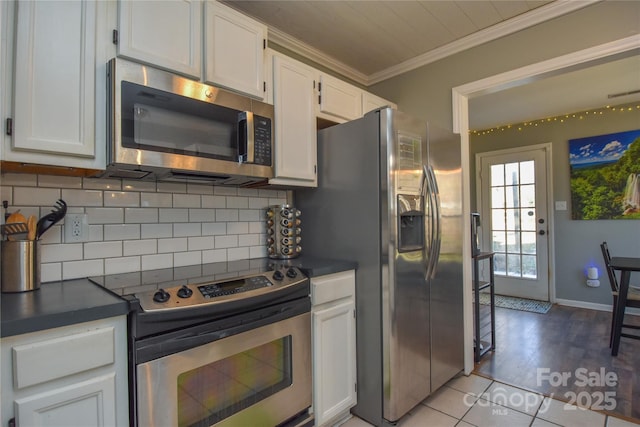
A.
x: 69, y: 302
x: 58, y: 304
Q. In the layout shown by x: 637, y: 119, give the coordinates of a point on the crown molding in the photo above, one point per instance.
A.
x: 518, y: 23
x: 526, y: 20
x: 286, y: 41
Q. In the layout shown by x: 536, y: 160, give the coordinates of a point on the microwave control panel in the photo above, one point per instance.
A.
x: 262, y: 140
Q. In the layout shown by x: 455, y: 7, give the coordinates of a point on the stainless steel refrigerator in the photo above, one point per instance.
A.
x: 389, y: 196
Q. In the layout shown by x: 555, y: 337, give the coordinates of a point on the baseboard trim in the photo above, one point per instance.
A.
x: 594, y: 306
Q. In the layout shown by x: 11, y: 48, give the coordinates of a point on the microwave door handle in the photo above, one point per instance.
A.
x: 246, y: 133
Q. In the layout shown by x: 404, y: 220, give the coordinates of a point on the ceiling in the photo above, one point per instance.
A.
x: 370, y: 41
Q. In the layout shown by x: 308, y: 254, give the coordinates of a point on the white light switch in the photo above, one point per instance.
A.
x: 561, y: 205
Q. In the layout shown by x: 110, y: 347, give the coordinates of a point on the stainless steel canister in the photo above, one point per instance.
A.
x: 283, y: 231
x: 20, y: 265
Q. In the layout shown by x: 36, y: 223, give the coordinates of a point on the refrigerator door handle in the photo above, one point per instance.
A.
x: 436, y: 238
x: 428, y: 219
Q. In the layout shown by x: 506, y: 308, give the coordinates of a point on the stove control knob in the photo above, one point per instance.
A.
x: 184, y: 292
x: 161, y: 296
x: 278, y: 276
x: 291, y: 273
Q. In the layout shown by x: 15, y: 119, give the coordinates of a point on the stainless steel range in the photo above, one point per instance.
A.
x: 225, y: 349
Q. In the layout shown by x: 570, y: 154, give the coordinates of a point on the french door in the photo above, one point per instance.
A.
x: 513, y: 201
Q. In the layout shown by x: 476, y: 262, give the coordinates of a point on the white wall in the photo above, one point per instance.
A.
x: 137, y: 225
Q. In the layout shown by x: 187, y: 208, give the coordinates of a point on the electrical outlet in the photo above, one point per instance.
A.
x: 76, y: 228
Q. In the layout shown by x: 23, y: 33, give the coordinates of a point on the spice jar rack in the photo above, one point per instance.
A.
x: 283, y: 231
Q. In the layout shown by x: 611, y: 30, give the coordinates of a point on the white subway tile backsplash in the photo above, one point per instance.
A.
x: 122, y: 265
x: 171, y: 187
x: 35, y: 196
x: 226, y: 241
x: 214, y: 201
x: 79, y: 269
x: 187, y: 229
x: 178, y: 244
x: 226, y: 215
x: 121, y: 231
x: 237, y: 253
x: 59, y: 181
x: 248, y: 240
x: 51, y: 272
x: 130, y: 185
x: 180, y: 259
x: 95, y: 250
x: 60, y: 252
x: 140, y: 215
x: 237, y: 202
x: 122, y: 198
x: 19, y: 180
x: 202, y: 215
x: 225, y: 191
x: 186, y: 200
x: 153, y: 262
x: 156, y: 231
x: 215, y: 255
x: 199, y: 189
x: 105, y: 215
x: 173, y: 215
x: 249, y: 215
x: 82, y: 197
x: 200, y: 243
x: 143, y: 225
x: 237, y: 227
x: 156, y: 200
x: 214, y: 228
x: 140, y: 247
x: 101, y: 184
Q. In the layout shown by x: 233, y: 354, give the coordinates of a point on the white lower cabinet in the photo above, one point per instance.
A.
x: 69, y: 376
x: 333, y: 346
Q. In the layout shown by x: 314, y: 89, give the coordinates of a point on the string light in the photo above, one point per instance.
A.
x: 563, y: 118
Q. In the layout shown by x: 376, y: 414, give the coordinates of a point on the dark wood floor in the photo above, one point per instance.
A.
x: 562, y: 341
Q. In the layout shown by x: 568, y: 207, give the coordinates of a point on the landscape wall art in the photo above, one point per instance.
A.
x: 605, y: 176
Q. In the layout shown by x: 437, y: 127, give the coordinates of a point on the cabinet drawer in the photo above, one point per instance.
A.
x: 333, y: 287
x: 47, y: 360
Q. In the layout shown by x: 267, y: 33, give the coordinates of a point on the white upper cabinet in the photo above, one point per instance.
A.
x: 166, y: 33
x: 234, y: 48
x: 295, y: 123
x: 371, y: 102
x: 338, y: 99
x: 57, y: 100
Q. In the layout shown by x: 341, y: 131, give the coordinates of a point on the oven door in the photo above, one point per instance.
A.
x: 260, y: 377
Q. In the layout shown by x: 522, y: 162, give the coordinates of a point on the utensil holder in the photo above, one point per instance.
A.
x: 283, y: 232
x: 20, y: 265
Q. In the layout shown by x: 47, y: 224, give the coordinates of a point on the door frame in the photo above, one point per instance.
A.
x: 546, y: 147
x: 460, y: 105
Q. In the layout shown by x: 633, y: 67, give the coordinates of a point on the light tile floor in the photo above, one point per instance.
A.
x: 468, y: 401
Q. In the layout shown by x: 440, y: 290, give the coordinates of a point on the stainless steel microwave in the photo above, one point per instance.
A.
x: 162, y: 126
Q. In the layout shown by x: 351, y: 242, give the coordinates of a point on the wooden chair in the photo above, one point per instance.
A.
x: 633, y: 296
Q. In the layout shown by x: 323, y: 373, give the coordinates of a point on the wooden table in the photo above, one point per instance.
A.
x: 625, y: 265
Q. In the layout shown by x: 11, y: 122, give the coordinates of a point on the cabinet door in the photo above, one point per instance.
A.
x: 334, y: 360
x: 54, y: 80
x: 295, y: 123
x: 339, y: 99
x: 371, y: 102
x: 89, y: 403
x: 234, y: 48
x: 165, y: 33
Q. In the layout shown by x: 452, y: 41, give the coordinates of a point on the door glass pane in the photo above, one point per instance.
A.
x: 511, y: 175
x: 497, y: 197
x: 500, y: 264
x: 513, y: 265
x: 527, y: 172
x: 497, y: 175
x: 213, y: 392
x: 513, y: 218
